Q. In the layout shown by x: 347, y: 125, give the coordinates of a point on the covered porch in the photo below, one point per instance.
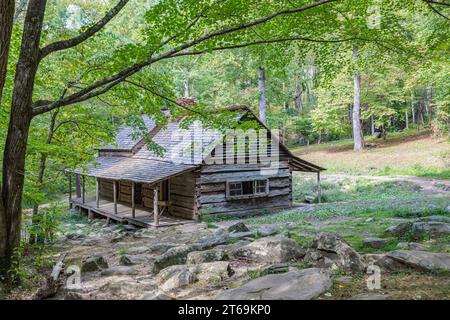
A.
x: 127, y: 192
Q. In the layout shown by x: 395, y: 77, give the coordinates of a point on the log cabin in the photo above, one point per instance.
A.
x: 202, y: 171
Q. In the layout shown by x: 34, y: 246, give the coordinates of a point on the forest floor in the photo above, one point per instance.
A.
x: 355, y: 206
x: 413, y: 153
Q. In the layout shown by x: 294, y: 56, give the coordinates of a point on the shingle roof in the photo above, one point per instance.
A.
x: 124, y: 138
x: 184, y: 149
x: 131, y: 169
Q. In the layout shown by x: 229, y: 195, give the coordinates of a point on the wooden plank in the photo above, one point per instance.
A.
x: 155, y: 206
x: 213, y: 187
x: 115, y: 197
x: 181, y: 212
x: 257, y: 203
x: 279, y: 182
x: 133, y: 204
x: 184, y: 190
x: 216, y: 168
x: 242, y: 176
x: 220, y: 197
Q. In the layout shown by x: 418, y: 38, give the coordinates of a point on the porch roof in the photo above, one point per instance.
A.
x: 134, y: 169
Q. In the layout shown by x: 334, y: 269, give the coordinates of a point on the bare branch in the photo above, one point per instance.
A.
x: 438, y: 3
x: 69, y: 43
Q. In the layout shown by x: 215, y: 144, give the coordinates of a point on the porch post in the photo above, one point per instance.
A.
x: 133, y: 204
x: 115, y: 195
x: 319, y: 191
x: 97, y: 193
x: 83, y: 182
x: 70, y: 190
x: 155, y: 205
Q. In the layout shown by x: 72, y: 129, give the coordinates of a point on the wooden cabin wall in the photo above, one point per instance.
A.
x: 105, y: 188
x: 211, y: 186
x: 182, y: 196
x: 147, y: 195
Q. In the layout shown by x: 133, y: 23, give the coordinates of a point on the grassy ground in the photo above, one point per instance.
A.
x: 404, y: 153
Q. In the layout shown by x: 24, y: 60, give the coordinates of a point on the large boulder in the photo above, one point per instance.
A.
x: 399, y: 231
x: 173, y: 256
x: 383, y: 261
x: 238, y: 227
x: 269, y: 250
x: 130, y: 259
x: 421, y: 260
x: 375, y: 243
x: 303, y: 284
x: 180, y: 276
x: 94, y: 263
x: 430, y: 229
x: 268, y: 230
x: 119, y: 271
x: 196, y: 257
x: 328, y: 250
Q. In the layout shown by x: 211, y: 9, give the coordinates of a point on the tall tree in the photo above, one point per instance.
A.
x: 6, y: 24
x: 358, y: 140
x: 262, y: 94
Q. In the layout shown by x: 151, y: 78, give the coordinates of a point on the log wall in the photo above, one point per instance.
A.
x: 211, y: 188
x: 182, y: 196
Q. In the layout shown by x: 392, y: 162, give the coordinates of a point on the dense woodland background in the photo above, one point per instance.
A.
x: 301, y: 68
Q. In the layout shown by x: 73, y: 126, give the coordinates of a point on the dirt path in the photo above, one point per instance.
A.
x: 429, y: 186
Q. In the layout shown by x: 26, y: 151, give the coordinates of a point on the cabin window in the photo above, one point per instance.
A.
x: 247, y: 189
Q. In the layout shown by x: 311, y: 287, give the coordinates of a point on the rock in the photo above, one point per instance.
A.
x: 94, y: 263
x: 160, y: 248
x: 213, y: 241
x: 75, y: 235
x: 376, y: 243
x: 436, y: 218
x: 291, y: 225
x: 270, y: 250
x: 411, y: 246
x: 174, y: 256
x: 370, y: 296
x: 180, y: 276
x: 238, y: 227
x: 448, y: 209
x: 119, y: 271
x: 138, y: 250
x: 227, y: 248
x: 155, y: 295
x: 212, y: 272
x: 384, y: 262
x: 240, y: 235
x: 175, y: 277
x: 422, y: 230
x: 130, y: 259
x: 80, y: 225
x: 399, y: 231
x: 130, y: 228
x: 309, y: 199
x: 369, y: 220
x: 196, y: 257
x: 268, y: 230
x: 329, y: 250
x: 294, y: 285
x: 421, y: 260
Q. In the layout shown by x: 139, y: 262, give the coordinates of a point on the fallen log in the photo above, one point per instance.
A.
x: 52, y: 282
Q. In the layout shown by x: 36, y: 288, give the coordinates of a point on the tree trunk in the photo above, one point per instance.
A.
x: 42, y: 165
x: 187, y: 87
x: 6, y: 24
x: 78, y: 185
x: 372, y: 125
x: 17, y: 136
x: 298, y: 97
x: 358, y: 141
x: 406, y: 120
x: 413, y: 114
x: 262, y: 94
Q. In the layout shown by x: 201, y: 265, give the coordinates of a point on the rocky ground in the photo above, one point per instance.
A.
x: 233, y: 260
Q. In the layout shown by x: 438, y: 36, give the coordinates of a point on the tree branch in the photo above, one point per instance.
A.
x: 438, y: 3
x: 70, y: 43
x: 113, y: 80
x: 162, y: 97
x: 436, y: 10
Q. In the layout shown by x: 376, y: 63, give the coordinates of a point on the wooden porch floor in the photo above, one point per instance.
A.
x: 143, y: 216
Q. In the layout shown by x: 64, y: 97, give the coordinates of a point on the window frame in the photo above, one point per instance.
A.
x: 246, y: 196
